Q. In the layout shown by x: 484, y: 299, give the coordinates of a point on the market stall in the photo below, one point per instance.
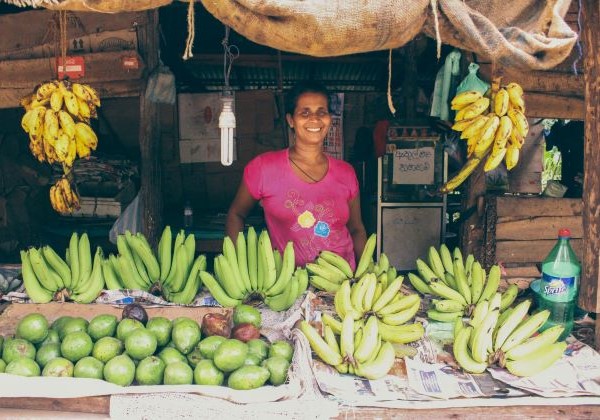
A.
x: 454, y: 331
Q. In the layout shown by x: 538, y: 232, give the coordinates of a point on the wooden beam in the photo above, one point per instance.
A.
x: 533, y: 251
x: 540, y: 105
x: 589, y: 295
x: 549, y: 82
x: 538, y: 227
x: 539, y: 206
x: 149, y: 138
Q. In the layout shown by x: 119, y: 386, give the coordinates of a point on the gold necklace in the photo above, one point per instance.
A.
x: 303, y: 171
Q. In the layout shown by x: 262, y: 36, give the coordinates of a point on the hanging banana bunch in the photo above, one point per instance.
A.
x: 63, y: 198
x: 57, y: 117
x: 494, y: 129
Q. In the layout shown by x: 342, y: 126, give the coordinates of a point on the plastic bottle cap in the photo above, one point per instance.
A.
x: 564, y: 232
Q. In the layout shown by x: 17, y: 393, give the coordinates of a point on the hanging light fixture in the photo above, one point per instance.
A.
x: 227, y: 117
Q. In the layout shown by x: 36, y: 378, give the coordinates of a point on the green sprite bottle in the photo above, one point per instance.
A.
x: 560, y: 283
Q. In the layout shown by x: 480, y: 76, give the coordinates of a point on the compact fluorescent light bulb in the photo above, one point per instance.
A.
x: 227, y: 126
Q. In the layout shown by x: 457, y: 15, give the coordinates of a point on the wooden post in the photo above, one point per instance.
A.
x: 589, y: 296
x: 149, y: 138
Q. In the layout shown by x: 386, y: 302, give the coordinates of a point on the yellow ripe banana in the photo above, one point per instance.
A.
x: 515, y: 95
x: 492, y: 283
x: 66, y: 123
x: 476, y: 281
x: 464, y: 99
x: 474, y: 127
x: 404, y: 302
x: 501, y: 102
x: 56, y: 100
x: 493, y: 160
x: 25, y: 119
x: 347, y: 340
x: 50, y: 125
x: 71, y: 103
x: 72, y: 153
x: 488, y: 133
x: 45, y: 90
x: 93, y: 94
x: 482, y: 338
x: 502, y: 134
x: 461, y: 176
x: 462, y: 124
x: 84, y: 110
x: 369, y: 340
x: 515, y: 139
x: 388, y: 294
x: 519, y: 121
x: 366, y: 257
x: 538, y: 361
x: 477, y: 108
x: 446, y: 258
x: 81, y: 92
x: 512, y: 157
x: 448, y: 305
x: 436, y: 315
x: 460, y: 350
x: 85, y: 135
x: 62, y: 147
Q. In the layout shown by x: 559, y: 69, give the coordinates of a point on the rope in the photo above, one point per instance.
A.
x: 62, y: 16
x: 578, y: 42
x: 189, y: 43
x: 389, y: 86
x: 438, y: 38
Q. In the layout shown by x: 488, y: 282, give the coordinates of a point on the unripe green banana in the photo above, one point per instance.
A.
x: 419, y: 284
x: 446, y: 292
x: 443, y: 316
x: 338, y: 261
x: 537, y: 361
x: 217, y: 291
x: 382, y: 364
x: 482, y: 339
x: 476, y: 281
x: 491, y: 284
x: 435, y: 262
x: 334, y: 324
x: 525, y: 330
x: 534, y: 344
x: 347, y: 339
x: 319, y: 346
x: 446, y: 259
x: 398, y: 305
x: 388, y: 294
x: 322, y: 283
x: 462, y: 284
x: 509, y: 296
x: 448, y: 305
x: 333, y: 269
x: 164, y: 252
x: 403, y: 316
x: 252, y: 252
x: 460, y: 350
x: 401, y: 334
x: 36, y: 292
x: 366, y: 257
x: 425, y: 271
x: 509, y: 325
x: 302, y: 276
x: 287, y: 269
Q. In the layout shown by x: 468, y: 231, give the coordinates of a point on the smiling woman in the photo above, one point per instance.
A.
x: 309, y: 198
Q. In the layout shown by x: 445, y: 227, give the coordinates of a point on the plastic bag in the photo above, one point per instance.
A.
x: 129, y: 220
x: 472, y: 82
x: 161, y: 86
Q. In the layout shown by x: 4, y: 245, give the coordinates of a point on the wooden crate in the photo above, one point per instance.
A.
x: 526, y: 177
x: 520, y: 231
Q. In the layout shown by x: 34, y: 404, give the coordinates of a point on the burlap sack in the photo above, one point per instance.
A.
x: 518, y: 33
x: 102, y: 6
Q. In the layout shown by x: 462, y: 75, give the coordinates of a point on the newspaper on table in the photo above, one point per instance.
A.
x: 431, y: 375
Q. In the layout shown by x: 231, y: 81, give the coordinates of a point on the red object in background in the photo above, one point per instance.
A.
x: 130, y: 62
x: 75, y: 68
x: 380, y: 137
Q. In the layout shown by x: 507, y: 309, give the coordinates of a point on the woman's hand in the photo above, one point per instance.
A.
x: 356, y: 227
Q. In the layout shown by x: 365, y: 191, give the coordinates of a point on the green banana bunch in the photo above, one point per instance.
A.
x: 360, y: 348
x: 460, y: 284
x: 251, y: 269
x: 508, y: 339
x: 47, y: 276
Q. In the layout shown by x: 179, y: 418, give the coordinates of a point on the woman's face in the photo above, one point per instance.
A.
x: 311, y: 119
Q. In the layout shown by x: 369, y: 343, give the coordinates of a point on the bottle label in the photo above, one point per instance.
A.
x: 559, y: 289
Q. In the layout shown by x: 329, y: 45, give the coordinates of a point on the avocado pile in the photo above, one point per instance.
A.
x: 145, y: 351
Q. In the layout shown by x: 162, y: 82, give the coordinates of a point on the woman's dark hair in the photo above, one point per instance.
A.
x: 300, y: 89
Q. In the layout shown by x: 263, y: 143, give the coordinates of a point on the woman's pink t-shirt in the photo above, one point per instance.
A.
x: 312, y: 215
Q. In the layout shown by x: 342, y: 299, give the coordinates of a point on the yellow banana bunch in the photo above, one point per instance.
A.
x: 250, y: 269
x: 63, y: 198
x: 460, y: 285
x: 493, y: 136
x: 507, y: 339
x: 47, y: 276
x: 57, y: 106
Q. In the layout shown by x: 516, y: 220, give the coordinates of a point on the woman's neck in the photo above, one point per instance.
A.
x: 307, y: 153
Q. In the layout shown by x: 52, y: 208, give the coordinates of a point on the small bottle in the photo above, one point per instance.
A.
x: 188, y: 215
x: 560, y: 283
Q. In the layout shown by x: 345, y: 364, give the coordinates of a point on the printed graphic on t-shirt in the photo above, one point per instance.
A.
x: 316, y: 219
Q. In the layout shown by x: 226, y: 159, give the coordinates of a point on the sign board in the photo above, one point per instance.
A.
x: 414, y: 166
x: 74, y: 67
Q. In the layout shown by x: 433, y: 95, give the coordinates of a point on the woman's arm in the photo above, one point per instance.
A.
x: 356, y: 227
x: 239, y: 209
